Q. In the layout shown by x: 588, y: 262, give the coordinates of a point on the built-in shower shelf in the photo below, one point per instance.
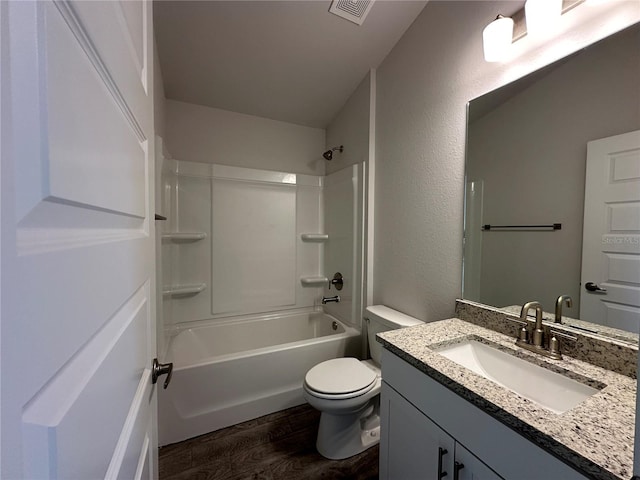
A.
x: 314, y: 237
x: 184, y: 290
x: 317, y: 281
x: 183, y: 237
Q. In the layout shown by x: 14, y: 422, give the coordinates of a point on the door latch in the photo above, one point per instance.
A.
x: 161, y: 369
x: 592, y: 287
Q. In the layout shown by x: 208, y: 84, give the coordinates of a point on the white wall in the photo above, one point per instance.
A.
x: 343, y: 205
x: 531, y: 154
x: 422, y: 89
x: 209, y: 135
x: 166, y: 190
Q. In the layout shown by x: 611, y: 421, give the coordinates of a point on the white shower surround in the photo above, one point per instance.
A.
x: 242, y: 344
x: 252, y: 257
x: 240, y: 369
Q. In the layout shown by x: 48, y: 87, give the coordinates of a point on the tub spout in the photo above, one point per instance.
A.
x: 334, y: 299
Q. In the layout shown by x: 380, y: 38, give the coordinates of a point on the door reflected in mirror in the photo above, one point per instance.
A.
x: 527, y: 150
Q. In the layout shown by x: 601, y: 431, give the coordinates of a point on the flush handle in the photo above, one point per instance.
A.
x: 592, y: 287
x: 441, y: 453
x: 159, y: 369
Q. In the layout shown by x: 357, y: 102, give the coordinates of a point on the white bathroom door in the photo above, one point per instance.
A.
x: 611, y: 237
x: 77, y: 248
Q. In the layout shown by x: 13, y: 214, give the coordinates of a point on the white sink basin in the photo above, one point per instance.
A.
x: 548, y: 389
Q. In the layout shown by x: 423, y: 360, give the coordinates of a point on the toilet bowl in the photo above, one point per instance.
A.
x: 347, y: 392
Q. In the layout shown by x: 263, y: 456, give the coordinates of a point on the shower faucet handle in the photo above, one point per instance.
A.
x: 337, y: 281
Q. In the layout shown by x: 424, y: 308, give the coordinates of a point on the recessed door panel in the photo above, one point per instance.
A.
x: 95, y: 156
x: 63, y: 414
x: 624, y: 217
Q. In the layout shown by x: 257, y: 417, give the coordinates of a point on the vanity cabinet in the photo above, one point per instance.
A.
x: 419, y: 416
x: 413, y: 447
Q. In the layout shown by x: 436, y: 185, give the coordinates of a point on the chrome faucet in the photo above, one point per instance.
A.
x: 561, y: 299
x: 537, y: 342
x: 334, y: 299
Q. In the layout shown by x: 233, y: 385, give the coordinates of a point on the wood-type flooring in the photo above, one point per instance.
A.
x: 280, y: 446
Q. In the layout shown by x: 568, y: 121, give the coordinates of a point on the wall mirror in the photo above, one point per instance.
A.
x: 526, y: 163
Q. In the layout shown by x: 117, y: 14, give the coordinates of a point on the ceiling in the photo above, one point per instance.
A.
x: 286, y: 60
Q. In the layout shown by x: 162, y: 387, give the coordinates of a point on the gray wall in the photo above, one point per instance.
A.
x: 531, y: 153
x: 196, y: 133
x: 423, y: 87
x: 350, y: 128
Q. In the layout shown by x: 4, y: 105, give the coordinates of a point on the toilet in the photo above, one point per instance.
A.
x: 347, y: 391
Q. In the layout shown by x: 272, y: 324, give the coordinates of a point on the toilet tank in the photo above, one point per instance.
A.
x: 380, y: 319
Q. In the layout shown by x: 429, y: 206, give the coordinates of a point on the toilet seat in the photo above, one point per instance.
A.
x: 340, y: 378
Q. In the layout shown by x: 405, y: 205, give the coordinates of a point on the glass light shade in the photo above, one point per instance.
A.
x: 542, y: 15
x: 496, y: 39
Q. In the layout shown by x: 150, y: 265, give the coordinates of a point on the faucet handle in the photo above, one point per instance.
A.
x: 538, y: 337
x: 524, y: 334
x: 337, y: 281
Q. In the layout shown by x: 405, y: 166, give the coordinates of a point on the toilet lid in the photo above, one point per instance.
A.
x: 339, y: 375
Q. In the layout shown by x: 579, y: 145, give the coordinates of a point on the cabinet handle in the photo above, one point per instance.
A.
x: 441, y: 453
x: 457, y: 466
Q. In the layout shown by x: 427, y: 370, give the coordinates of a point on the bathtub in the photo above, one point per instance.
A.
x: 227, y: 372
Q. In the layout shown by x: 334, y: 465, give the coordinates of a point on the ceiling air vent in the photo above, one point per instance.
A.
x: 353, y: 10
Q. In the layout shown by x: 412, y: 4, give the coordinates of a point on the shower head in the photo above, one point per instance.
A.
x: 328, y: 155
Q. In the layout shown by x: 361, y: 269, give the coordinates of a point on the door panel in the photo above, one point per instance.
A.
x: 624, y: 217
x: 611, y: 240
x: 78, y: 243
x: 622, y: 316
x: 133, y: 452
x: 118, y: 30
x: 61, y: 418
x: 90, y: 157
x: 622, y: 268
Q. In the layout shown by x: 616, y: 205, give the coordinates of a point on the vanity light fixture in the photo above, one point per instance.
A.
x: 542, y: 15
x: 496, y: 39
x: 538, y: 17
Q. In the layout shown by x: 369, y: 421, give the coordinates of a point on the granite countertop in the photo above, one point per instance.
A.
x: 595, y: 437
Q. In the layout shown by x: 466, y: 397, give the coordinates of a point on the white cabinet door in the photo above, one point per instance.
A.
x: 611, y: 236
x: 412, y: 447
x: 468, y: 467
x: 77, y: 240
